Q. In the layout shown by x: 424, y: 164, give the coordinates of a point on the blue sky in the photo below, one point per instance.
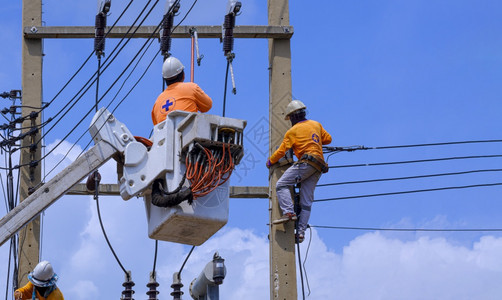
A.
x: 374, y: 73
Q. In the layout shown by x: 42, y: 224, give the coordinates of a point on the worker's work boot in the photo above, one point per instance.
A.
x: 285, y: 218
x: 299, y: 237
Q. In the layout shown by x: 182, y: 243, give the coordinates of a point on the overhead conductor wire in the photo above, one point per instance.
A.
x: 96, y: 197
x: 410, y: 192
x: 86, y: 60
x: 184, y: 262
x: 88, y: 84
x: 111, y: 57
x: 409, y: 229
x: 112, y: 85
x: 137, y: 82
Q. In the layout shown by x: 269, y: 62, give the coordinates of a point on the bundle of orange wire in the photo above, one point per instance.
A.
x: 207, y: 169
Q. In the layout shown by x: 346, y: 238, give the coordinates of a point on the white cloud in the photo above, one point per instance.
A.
x: 85, y: 289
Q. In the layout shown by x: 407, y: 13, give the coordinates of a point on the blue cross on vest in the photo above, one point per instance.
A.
x: 168, y: 103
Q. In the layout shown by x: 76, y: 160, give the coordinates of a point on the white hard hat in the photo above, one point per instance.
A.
x: 43, y: 275
x: 171, y: 67
x: 293, y: 106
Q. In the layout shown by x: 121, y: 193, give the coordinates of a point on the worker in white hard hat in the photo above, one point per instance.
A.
x: 178, y: 95
x: 41, y: 285
x: 306, y: 138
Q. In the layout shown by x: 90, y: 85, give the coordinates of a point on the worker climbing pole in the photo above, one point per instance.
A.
x: 233, y: 8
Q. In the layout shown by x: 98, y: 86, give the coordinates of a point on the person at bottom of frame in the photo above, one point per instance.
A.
x: 306, y: 138
x: 41, y: 285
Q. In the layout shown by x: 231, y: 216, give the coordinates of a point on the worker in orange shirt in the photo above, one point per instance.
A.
x: 306, y: 138
x: 41, y: 285
x: 178, y: 95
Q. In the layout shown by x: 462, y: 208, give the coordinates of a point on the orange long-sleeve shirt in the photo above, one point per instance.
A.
x: 304, y: 137
x: 187, y: 96
x: 27, y: 292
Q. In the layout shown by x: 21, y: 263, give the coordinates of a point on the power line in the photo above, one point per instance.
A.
x: 186, y: 259
x: 409, y: 229
x: 111, y: 57
x: 416, y: 161
x: 86, y: 60
x: 329, y: 149
x: 130, y: 90
x: 408, y: 177
x: 121, y: 101
x: 409, y: 192
x: 437, y: 144
x: 111, y: 86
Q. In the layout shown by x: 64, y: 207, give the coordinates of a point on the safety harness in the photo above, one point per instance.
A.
x: 315, y: 161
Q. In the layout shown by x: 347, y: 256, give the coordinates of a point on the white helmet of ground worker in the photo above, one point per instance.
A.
x: 43, y: 275
x: 294, y: 106
x: 171, y: 67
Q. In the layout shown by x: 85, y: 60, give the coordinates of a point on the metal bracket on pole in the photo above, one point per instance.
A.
x: 232, y: 55
x: 195, y: 35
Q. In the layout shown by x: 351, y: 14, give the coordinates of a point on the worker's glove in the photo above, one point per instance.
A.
x: 269, y: 164
x: 17, y: 295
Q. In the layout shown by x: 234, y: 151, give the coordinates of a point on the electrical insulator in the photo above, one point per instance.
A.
x: 128, y: 291
x: 229, y: 24
x: 167, y: 25
x: 176, y: 286
x: 152, y: 287
x: 100, y: 25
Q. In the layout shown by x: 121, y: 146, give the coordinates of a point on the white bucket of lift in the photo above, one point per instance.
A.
x: 189, y: 224
x: 183, y: 223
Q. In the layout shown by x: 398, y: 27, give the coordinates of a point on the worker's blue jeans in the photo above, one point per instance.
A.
x: 306, y: 175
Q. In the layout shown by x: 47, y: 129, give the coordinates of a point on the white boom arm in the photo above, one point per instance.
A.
x: 110, y: 137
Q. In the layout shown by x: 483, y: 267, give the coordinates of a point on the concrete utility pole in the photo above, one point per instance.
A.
x: 282, y: 238
x: 29, y: 236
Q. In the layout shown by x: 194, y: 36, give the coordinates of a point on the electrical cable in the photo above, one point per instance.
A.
x: 91, y: 81
x: 96, y: 197
x: 186, y: 15
x: 410, y: 229
x: 329, y: 149
x: 4, y: 195
x: 8, y: 272
x: 84, y: 133
x: 183, y: 265
x: 300, y: 266
x: 305, y: 260
x: 112, y: 85
x: 137, y: 82
x: 436, y: 144
x: 114, y: 82
x: 409, y: 192
x: 408, y: 177
x: 86, y: 60
x: 155, y: 257
x: 415, y: 161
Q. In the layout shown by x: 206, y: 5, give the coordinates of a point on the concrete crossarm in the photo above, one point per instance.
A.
x: 110, y: 136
